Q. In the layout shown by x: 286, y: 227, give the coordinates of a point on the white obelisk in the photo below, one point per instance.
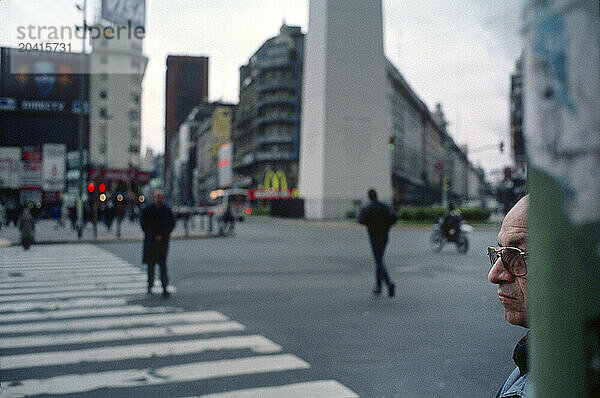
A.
x: 345, y: 114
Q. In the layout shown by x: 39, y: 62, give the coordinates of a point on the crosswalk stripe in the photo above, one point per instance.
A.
x: 257, y: 344
x: 313, y: 389
x: 79, y: 383
x: 112, y: 322
x: 69, y: 269
x: 78, y: 302
x: 120, y: 334
x: 89, y: 293
x: 82, y: 312
x: 47, y: 289
x: 56, y: 276
x: 73, y: 281
x: 105, y: 322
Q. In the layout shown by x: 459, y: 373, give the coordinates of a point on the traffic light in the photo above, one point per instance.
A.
x: 91, y: 187
x: 392, y: 142
x: 101, y: 187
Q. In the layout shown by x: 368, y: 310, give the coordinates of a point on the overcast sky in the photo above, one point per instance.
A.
x: 458, y: 53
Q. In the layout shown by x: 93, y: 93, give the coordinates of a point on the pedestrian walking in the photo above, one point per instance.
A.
x: 157, y: 222
x: 509, y: 272
x: 378, y: 218
x: 26, y: 228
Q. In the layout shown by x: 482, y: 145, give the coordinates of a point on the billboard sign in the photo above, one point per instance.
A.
x: 38, y: 81
x: 31, y: 174
x: 10, y: 167
x: 53, y: 167
x: 225, y: 169
x: 125, y: 12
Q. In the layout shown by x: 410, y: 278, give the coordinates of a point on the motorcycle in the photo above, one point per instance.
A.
x: 457, y: 235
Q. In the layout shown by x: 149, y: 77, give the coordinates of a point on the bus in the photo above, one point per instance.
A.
x: 236, y: 198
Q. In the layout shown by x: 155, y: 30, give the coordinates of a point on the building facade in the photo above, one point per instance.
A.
x: 118, y: 68
x: 186, y: 87
x: 517, y: 144
x: 266, y: 131
x: 40, y: 109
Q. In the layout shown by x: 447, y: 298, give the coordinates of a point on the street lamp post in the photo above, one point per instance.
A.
x: 81, y: 124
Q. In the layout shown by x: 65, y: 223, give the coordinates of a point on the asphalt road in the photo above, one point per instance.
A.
x: 307, y: 287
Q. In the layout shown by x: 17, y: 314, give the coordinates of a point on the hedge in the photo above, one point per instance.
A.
x: 432, y: 213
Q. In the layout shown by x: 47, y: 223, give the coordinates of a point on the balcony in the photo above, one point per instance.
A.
x: 278, y: 139
x: 277, y: 119
x: 276, y: 86
x: 293, y: 101
x: 262, y: 156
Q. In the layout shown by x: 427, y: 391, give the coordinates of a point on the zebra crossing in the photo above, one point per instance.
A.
x: 71, y: 324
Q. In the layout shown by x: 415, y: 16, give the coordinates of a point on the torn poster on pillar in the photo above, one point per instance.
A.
x: 562, y: 99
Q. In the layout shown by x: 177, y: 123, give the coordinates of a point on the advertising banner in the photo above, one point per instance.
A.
x: 225, y: 170
x: 124, y: 12
x: 31, y: 174
x: 10, y: 167
x: 53, y: 167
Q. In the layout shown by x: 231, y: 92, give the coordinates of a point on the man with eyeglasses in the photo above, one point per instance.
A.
x: 509, y: 272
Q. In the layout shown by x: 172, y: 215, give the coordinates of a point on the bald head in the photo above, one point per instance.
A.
x: 514, y: 227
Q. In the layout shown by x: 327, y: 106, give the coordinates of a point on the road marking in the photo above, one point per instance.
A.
x: 62, y: 276
x: 255, y: 343
x: 113, y: 322
x: 83, y: 312
x: 89, y: 293
x: 76, y: 288
x: 73, y: 281
x: 313, y: 389
x: 61, y: 304
x: 120, y: 334
x: 79, y: 383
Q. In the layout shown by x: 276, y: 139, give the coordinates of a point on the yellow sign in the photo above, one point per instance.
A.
x: 221, y: 128
x: 275, y: 180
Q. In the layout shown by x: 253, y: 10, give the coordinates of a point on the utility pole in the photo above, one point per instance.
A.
x: 81, y: 137
x: 561, y: 123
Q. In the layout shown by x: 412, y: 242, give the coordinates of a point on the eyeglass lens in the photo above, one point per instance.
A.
x: 512, y: 260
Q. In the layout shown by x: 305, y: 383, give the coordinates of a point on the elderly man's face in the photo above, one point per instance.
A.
x: 512, y: 291
x: 159, y: 198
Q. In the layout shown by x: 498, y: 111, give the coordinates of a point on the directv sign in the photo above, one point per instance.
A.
x: 124, y: 12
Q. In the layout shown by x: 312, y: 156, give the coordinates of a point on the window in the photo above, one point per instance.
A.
x: 103, y: 94
x: 134, y: 132
x: 103, y: 113
x: 135, y: 97
x: 134, y: 149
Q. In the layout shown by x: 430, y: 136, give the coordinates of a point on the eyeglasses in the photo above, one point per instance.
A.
x: 513, y: 259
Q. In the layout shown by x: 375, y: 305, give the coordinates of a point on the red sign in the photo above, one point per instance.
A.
x: 272, y: 194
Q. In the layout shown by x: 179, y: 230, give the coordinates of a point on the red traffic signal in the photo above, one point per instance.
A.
x: 102, y: 188
x: 91, y: 187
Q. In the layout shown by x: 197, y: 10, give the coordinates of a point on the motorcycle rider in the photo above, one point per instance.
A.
x: 450, y: 222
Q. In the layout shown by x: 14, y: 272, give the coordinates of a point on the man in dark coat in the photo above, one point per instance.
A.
x: 378, y: 218
x: 157, y: 223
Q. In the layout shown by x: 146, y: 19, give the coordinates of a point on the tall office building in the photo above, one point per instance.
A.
x: 187, y: 86
x: 344, y: 115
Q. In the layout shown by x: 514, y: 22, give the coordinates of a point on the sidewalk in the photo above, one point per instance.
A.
x: 48, y: 232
